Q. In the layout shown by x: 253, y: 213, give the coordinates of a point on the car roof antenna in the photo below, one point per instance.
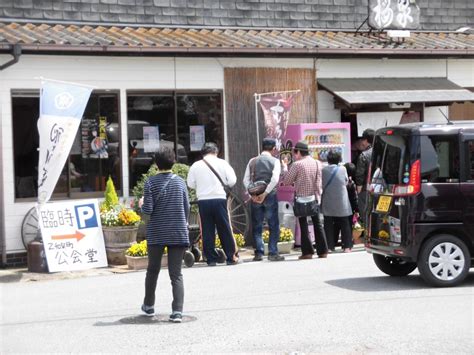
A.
x: 447, y: 119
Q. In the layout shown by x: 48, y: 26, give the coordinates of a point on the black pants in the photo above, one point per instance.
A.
x: 175, y: 259
x: 319, y: 236
x: 214, y: 215
x: 334, y: 225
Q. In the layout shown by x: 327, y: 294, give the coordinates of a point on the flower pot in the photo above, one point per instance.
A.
x: 137, y: 262
x: 117, y: 240
x: 141, y: 262
x: 283, y: 247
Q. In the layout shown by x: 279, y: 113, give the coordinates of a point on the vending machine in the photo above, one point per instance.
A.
x: 321, y: 138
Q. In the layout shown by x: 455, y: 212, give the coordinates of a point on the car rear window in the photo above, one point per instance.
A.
x: 390, y: 162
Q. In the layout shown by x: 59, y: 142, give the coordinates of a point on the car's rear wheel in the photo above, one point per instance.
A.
x: 393, y: 266
x: 444, y: 261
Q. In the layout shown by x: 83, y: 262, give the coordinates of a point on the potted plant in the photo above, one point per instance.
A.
x: 119, y: 226
x: 137, y: 256
x: 285, y: 243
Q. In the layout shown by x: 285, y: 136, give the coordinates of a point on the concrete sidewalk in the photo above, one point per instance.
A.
x: 22, y: 274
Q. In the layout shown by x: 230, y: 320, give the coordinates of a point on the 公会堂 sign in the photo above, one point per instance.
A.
x: 72, y: 235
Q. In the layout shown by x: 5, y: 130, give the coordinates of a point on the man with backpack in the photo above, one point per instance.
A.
x: 260, y: 180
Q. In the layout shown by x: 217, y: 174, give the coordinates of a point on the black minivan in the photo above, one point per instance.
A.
x: 421, y: 201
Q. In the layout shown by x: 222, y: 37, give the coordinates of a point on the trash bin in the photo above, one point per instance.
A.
x: 37, y: 257
x: 286, y: 216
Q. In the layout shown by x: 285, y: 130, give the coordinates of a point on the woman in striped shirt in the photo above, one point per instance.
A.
x: 166, y: 202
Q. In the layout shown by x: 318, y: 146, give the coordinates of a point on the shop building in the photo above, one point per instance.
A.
x: 179, y: 71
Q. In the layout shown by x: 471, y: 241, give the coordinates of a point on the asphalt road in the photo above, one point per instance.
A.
x: 342, y: 304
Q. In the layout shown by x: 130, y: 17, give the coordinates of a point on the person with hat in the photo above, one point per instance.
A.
x: 362, y: 169
x: 305, y: 174
x: 264, y: 170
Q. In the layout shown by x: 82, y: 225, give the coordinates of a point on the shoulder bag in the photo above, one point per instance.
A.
x: 226, y: 187
x: 255, y: 188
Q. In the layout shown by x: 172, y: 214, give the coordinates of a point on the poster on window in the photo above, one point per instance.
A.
x: 197, y: 137
x: 72, y: 235
x: 61, y: 108
x: 276, y: 109
x: 151, y: 139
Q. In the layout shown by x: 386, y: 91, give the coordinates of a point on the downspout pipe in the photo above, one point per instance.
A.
x: 16, y: 53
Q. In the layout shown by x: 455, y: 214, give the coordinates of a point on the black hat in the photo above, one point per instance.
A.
x: 301, y: 146
x: 269, y: 142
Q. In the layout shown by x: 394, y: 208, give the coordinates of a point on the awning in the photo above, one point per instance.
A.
x: 360, y: 91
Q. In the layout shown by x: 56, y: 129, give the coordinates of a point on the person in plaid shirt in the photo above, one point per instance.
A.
x: 305, y: 174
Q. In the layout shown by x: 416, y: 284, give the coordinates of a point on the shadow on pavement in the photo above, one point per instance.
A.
x: 389, y: 283
x: 11, y: 277
x: 159, y: 319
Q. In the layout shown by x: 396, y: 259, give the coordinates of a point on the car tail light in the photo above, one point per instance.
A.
x: 414, y: 183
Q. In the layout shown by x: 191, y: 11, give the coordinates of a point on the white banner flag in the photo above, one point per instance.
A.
x: 61, y: 108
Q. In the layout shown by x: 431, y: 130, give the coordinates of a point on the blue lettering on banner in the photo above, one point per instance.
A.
x: 86, y: 216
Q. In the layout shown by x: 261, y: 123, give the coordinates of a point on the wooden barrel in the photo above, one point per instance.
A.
x: 117, y: 241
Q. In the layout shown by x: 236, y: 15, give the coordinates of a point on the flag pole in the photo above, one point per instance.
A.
x: 257, y: 100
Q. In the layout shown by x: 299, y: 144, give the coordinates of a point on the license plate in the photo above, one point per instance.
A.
x: 384, y: 203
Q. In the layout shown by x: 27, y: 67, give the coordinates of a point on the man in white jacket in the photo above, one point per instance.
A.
x: 212, y: 202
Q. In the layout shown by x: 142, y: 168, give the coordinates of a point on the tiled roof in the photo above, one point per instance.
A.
x: 85, y: 38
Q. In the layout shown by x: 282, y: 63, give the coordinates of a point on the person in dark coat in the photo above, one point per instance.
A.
x: 362, y: 169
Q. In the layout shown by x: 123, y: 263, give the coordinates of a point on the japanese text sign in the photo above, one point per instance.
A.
x: 72, y: 235
x: 394, y: 14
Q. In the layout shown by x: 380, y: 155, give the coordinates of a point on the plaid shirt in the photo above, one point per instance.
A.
x: 306, y: 175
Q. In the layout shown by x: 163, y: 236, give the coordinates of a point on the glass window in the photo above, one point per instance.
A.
x: 199, y: 121
x: 154, y: 119
x: 390, y: 162
x: 439, y: 158
x: 93, y: 157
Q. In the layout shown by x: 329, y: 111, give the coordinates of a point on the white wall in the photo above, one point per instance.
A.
x: 140, y: 73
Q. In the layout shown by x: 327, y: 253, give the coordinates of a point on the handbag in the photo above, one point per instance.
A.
x: 305, y: 209
x: 255, y: 188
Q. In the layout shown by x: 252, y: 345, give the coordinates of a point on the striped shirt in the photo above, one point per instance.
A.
x: 168, y: 217
x: 306, y: 175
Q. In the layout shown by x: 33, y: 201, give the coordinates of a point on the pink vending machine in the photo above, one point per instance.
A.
x: 321, y: 138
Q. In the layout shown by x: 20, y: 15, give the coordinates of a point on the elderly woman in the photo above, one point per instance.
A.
x: 166, y: 203
x: 336, y: 206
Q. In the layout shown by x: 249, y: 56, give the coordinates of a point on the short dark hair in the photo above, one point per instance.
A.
x: 369, y: 134
x: 165, y: 158
x: 351, y: 168
x: 209, y: 147
x: 268, y: 144
x: 334, y: 157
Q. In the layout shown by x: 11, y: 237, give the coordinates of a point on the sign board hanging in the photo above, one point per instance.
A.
x: 72, y: 235
x: 394, y: 14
